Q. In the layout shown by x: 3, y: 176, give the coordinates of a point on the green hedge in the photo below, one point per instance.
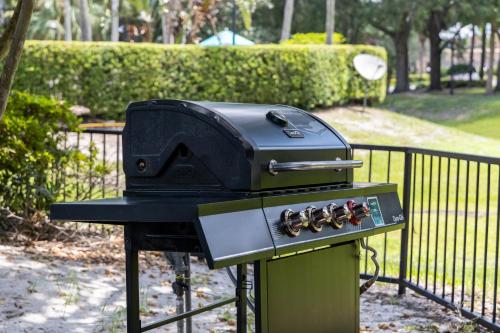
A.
x: 107, y: 76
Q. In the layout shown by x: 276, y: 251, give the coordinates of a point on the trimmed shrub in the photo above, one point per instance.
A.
x: 313, y: 38
x: 107, y: 76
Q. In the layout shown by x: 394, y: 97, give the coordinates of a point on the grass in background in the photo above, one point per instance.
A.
x: 383, y: 127
x: 469, y: 109
x: 445, y: 214
x: 435, y: 228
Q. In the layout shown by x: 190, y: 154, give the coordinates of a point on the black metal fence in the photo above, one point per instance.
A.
x: 449, y: 250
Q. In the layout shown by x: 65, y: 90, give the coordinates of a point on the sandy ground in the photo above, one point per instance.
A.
x: 57, y: 287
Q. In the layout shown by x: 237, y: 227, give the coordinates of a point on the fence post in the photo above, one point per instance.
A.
x: 403, y: 256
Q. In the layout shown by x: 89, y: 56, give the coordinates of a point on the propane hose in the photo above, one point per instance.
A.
x: 364, y: 287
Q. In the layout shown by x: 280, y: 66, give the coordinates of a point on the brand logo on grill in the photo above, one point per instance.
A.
x: 398, y: 218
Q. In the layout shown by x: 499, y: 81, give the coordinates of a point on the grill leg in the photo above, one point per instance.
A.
x: 241, y: 303
x: 187, y: 278
x: 132, y: 279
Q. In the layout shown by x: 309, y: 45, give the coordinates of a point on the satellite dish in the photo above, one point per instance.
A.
x: 369, y: 66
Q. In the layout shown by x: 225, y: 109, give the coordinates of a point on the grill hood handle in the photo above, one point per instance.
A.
x: 275, y: 167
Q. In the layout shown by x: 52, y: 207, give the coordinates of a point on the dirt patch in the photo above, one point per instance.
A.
x: 67, y: 287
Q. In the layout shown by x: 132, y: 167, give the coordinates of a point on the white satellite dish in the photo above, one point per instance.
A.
x: 369, y: 66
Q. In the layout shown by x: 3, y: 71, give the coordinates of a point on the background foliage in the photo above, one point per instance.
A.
x: 105, y: 77
x: 34, y: 162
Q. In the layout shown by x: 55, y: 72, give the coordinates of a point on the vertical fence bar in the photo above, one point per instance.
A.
x: 77, y: 176
x: 385, y: 233
x: 64, y: 169
x: 369, y: 180
x: 413, y: 195
x: 118, y: 164
x: 428, y: 242
x: 495, y: 284
x: 406, y: 213
x: 370, y: 166
x: 486, y: 231
x: 455, y: 231
x: 474, y: 256
x: 104, y: 165
x: 446, y: 226
x: 421, y: 220
x: 464, y: 252
x: 437, y: 225
x: 91, y: 187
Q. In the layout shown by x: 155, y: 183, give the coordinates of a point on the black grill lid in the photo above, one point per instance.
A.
x: 182, y: 145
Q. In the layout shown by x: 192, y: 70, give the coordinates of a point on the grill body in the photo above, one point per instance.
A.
x: 270, y: 185
x: 181, y: 145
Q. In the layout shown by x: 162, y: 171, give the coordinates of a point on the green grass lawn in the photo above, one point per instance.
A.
x: 430, y: 224
x: 469, y: 110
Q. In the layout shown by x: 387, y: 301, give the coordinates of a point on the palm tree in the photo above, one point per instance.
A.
x: 68, y: 35
x: 287, y: 20
x: 85, y: 24
x: 491, y: 64
x: 115, y: 4
x: 330, y: 20
x: 168, y: 22
x: 46, y: 21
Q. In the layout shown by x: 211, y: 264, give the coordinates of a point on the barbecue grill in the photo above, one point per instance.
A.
x: 270, y: 185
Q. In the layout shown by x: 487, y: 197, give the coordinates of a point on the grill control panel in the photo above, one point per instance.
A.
x: 237, y: 231
x: 306, y: 225
x: 314, y: 218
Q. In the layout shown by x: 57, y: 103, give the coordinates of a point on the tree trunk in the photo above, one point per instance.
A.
x: 330, y: 21
x: 434, y: 26
x: 9, y: 32
x: 165, y: 28
x: 15, y: 51
x: 483, y: 53
x: 491, y: 60
x: 497, y: 89
x: 388, y: 79
x: 287, y: 20
x: 421, y: 55
x: 168, y: 24
x: 68, y: 36
x: 471, y: 56
x: 400, y: 41
x: 115, y: 20
x: 2, y: 13
x: 85, y: 25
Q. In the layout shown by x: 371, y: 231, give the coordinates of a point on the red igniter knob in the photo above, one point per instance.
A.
x: 358, y: 211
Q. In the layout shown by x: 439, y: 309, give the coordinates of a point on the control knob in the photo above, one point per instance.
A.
x: 358, y: 210
x: 318, y: 217
x: 292, y: 222
x: 339, y: 215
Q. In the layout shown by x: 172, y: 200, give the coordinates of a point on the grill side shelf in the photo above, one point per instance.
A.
x: 234, y: 232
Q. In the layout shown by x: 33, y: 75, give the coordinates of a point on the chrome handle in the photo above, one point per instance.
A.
x: 275, y: 167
